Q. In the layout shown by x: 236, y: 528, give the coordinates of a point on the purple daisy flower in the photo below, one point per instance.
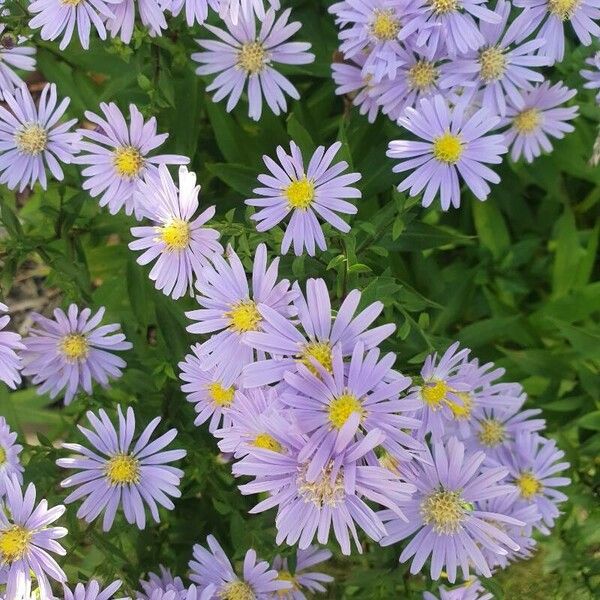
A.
x: 453, y: 144
x: 533, y: 465
x: 165, y: 582
x: 13, y: 55
x: 303, y: 579
x: 233, y: 8
x: 10, y: 464
x: 444, y: 517
x: 592, y: 75
x: 151, y: 14
x: 71, y: 351
x: 308, y: 507
x: 26, y: 541
x: 117, y: 155
x: 60, y: 17
x: 307, y: 193
x: 471, y: 590
x: 499, y: 69
x: 179, y: 243
x: 212, y: 567
x: 31, y: 138
x: 322, y: 330
x: 10, y: 343
x: 196, y: 11
x: 538, y: 117
x: 230, y: 310
x: 92, y: 591
x: 551, y: 16
x: 114, y: 473
x: 243, y: 55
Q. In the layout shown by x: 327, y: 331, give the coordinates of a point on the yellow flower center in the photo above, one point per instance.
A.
x: 175, y: 235
x: 447, y: 148
x: 528, y: 485
x: 385, y: 25
x: 237, y: 590
x: 434, y: 393
x: 14, y: 543
x: 300, y: 193
x: 462, y: 410
x: 2, y: 456
x: 221, y: 396
x: 128, y: 161
x: 324, y: 491
x: 444, y: 510
x: 74, y: 346
x: 287, y: 576
x: 252, y: 57
x: 563, y: 9
x: 71, y: 2
x: 442, y: 7
x: 491, y: 433
x: 493, y: 64
x: 319, y: 351
x: 342, y: 407
x: 31, y: 139
x: 122, y: 469
x: 422, y: 75
x: 268, y: 442
x: 244, y: 316
x: 527, y: 121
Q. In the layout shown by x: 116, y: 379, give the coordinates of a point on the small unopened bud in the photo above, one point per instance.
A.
x: 595, y: 158
x: 8, y: 41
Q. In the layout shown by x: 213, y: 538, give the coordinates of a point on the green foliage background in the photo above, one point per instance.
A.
x: 513, y: 278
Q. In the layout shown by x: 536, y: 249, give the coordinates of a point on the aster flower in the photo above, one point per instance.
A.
x: 538, y: 117
x: 453, y: 144
x: 233, y: 8
x: 179, y: 243
x: 309, y: 506
x: 499, y: 69
x: 302, y: 579
x: 71, y: 351
x: 31, y: 138
x: 231, y: 310
x: 533, y: 465
x: 115, y: 473
x: 444, y: 517
x: 10, y: 343
x: 290, y: 346
x: 118, y: 155
x: 151, y: 14
x: 10, y: 464
x: 592, y: 75
x: 210, y: 566
x: 471, y: 590
x: 550, y: 16
x: 244, y: 56
x: 196, y: 11
x: 92, y: 591
x: 27, y: 541
x: 58, y: 18
x: 14, y: 55
x: 307, y: 193
x: 162, y: 583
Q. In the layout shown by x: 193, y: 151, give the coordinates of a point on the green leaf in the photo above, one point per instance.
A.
x: 299, y: 135
x: 491, y: 228
x: 239, y: 177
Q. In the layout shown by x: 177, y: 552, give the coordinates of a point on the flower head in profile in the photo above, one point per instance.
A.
x: 452, y: 145
x: 178, y: 240
x: 592, y: 74
x: 211, y: 567
x: 244, y: 58
x: 27, y: 541
x: 195, y: 11
x: 71, y: 351
x: 10, y: 344
x: 470, y: 590
x: 537, y: 118
x: 319, y: 190
x: 58, y: 18
x: 32, y: 139
x: 160, y: 584
x: 118, y: 472
x: 151, y: 15
x: 118, y: 155
x: 231, y: 309
x: 92, y: 591
x: 10, y: 463
x: 233, y: 8
x: 444, y: 516
x: 14, y: 54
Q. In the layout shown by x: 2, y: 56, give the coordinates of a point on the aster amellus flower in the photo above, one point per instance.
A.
x: 10, y: 464
x: 319, y: 190
x: 452, y: 145
x: 592, y: 74
x: 27, y: 541
x: 151, y: 15
x: 118, y: 472
x: 71, y: 351
x: 444, y: 516
x: 244, y: 57
x: 10, y: 344
x: 31, y: 138
x: 178, y: 240
x: 14, y: 54
x: 160, y: 584
x: 538, y: 117
x: 118, y: 155
x: 211, y: 566
x: 92, y: 591
x: 58, y: 18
